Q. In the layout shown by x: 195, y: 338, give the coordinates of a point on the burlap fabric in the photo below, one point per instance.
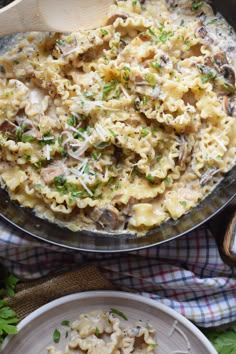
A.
x: 33, y: 294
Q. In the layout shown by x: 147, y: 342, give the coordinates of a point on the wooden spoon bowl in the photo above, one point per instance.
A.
x: 52, y: 15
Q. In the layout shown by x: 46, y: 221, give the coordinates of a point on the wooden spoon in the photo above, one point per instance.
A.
x: 52, y: 15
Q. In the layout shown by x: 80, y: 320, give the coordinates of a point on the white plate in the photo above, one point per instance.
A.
x: 174, y: 332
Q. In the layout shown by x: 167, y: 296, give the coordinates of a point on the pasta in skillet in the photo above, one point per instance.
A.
x: 102, y: 332
x: 124, y: 126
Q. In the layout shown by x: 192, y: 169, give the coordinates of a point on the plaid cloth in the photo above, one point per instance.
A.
x: 186, y: 274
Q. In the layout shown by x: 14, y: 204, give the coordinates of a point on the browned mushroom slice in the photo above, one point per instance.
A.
x: 106, y: 218
x: 229, y: 74
x: 229, y: 106
x: 113, y: 17
x: 220, y: 59
x: 49, y: 173
x: 8, y: 127
x: 201, y: 31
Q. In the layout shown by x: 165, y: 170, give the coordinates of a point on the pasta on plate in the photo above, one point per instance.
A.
x: 102, y: 332
x: 124, y: 126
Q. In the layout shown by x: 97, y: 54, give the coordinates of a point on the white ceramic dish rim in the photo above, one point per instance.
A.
x: 115, y: 294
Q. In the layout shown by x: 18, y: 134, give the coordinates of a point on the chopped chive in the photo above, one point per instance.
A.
x: 56, y: 336
x: 65, y: 323
x: 119, y: 313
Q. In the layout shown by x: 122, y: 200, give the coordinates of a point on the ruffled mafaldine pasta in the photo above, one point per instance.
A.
x: 101, y: 332
x: 124, y: 126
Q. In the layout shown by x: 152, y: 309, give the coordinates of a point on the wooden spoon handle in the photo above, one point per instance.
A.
x: 52, y: 15
x: 20, y: 16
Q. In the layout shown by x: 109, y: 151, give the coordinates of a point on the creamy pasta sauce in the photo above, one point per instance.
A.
x: 124, y: 126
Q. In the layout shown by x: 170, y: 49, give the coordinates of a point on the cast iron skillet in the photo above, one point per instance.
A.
x: 23, y: 219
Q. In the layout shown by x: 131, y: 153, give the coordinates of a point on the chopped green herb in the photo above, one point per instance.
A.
x: 113, y: 133
x: 27, y: 157
x: 72, y: 121
x: 119, y: 313
x: 56, y: 336
x: 110, y: 181
x: 144, y: 101
x: 154, y: 344
x: 151, y: 32
x: 65, y: 323
x: 158, y: 158
x: 126, y: 68
x: 60, y: 42
x: 96, y: 155
x: 108, y: 88
x: 86, y: 169
x: 150, y: 178
x: 16, y: 62
x: 27, y: 139
x: 167, y: 180
x: 104, y: 32
x: 196, y: 5
x: 144, y: 132
x: 156, y: 66
x: 184, y: 203
x: 59, y: 140
x: 117, y: 185
x: 187, y: 45
x: 97, y: 332
x: 164, y: 37
x: 66, y: 334
x: 181, y: 23
x: 59, y: 180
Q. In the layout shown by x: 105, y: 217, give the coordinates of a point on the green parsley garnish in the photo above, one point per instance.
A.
x: 60, y: 42
x: 104, y: 32
x: 117, y: 185
x: 181, y: 23
x: 56, y: 336
x: 196, y: 5
x: 27, y: 157
x: 144, y: 132
x: 113, y: 133
x: 27, y: 139
x: 150, y: 178
x: 47, y: 139
x: 65, y: 323
x: 165, y: 36
x: 119, y: 313
x: 97, y: 332
x: 59, y: 180
x: 72, y: 121
x: 184, y: 203
x: 167, y: 180
x: 108, y: 88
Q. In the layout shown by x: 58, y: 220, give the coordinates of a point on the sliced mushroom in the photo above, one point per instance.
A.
x: 220, y: 59
x: 49, y: 173
x: 228, y: 73
x: 201, y: 31
x: 8, y: 127
x: 229, y: 106
x: 113, y: 17
x: 106, y: 218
